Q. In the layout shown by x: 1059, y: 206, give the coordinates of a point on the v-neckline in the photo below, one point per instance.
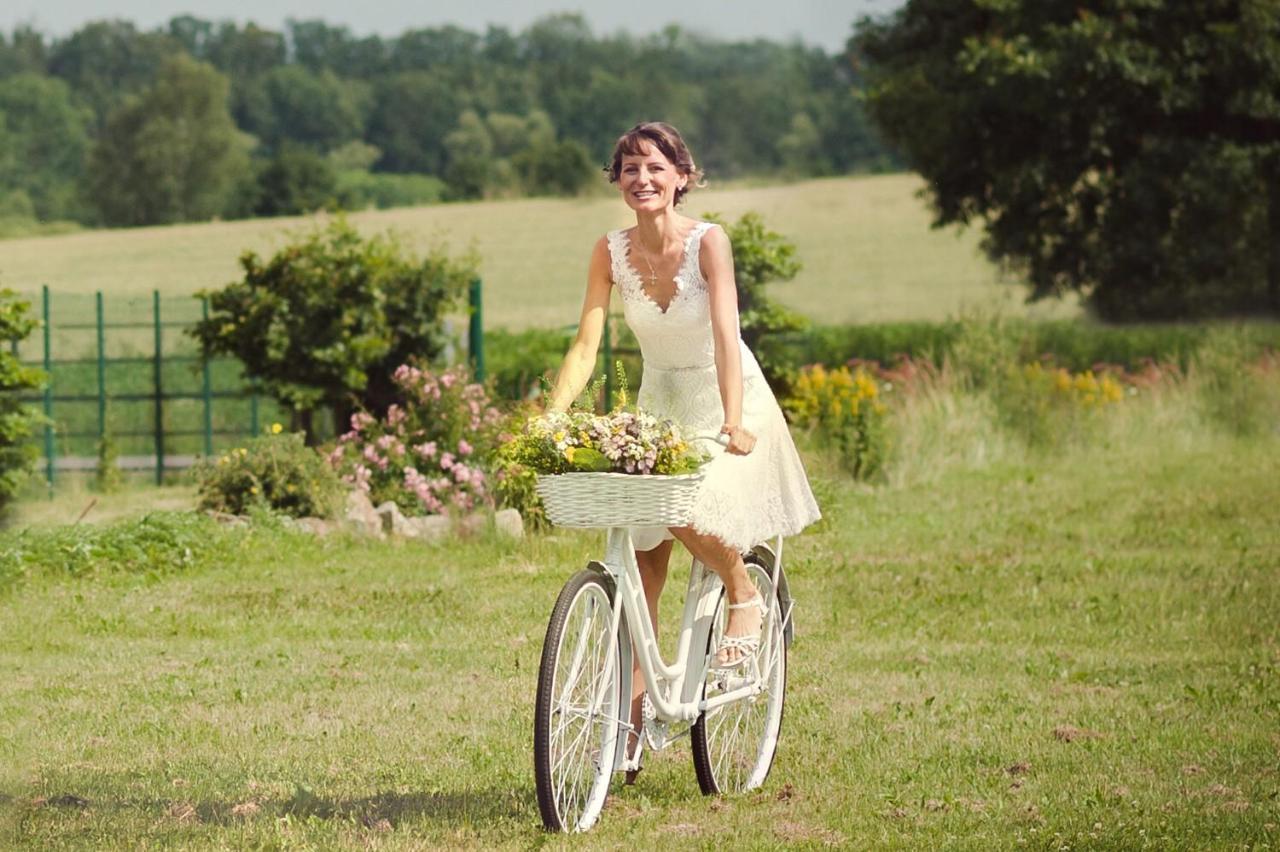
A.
x: 684, y: 260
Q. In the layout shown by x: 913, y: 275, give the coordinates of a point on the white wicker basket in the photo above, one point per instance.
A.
x: 619, y: 499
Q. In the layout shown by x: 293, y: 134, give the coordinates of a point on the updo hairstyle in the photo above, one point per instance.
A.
x: 667, y: 140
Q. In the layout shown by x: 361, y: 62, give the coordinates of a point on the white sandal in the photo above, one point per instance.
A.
x: 748, y: 645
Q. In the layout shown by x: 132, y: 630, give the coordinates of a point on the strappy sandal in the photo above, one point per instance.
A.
x: 748, y: 645
x: 633, y: 764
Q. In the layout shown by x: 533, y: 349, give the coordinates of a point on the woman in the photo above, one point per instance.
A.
x: 675, y: 276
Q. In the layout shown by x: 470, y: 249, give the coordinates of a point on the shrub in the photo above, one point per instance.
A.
x: 327, y: 319
x: 17, y: 421
x: 844, y: 410
x: 429, y: 453
x: 276, y: 471
x: 358, y: 189
x: 1048, y: 406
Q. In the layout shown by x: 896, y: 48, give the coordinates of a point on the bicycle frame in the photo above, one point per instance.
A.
x: 674, y: 689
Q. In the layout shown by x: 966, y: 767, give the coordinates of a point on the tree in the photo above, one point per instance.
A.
x: 295, y: 180
x: 325, y: 321
x: 412, y: 112
x: 17, y: 421
x: 313, y: 109
x: 106, y: 61
x: 171, y: 154
x: 1129, y: 151
x: 46, y: 143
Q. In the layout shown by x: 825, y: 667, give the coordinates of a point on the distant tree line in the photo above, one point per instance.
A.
x: 112, y: 125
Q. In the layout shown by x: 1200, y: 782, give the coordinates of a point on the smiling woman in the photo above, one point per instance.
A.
x: 675, y: 276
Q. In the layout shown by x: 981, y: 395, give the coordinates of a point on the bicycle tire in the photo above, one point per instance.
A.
x: 572, y: 769
x: 734, y: 747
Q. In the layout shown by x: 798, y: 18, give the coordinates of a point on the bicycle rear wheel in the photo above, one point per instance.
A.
x: 576, y: 718
x: 734, y: 744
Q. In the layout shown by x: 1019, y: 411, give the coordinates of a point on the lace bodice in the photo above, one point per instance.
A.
x: 680, y: 337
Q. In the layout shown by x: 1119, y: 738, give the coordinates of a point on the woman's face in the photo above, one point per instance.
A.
x: 649, y: 180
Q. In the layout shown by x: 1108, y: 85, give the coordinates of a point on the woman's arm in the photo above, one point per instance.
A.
x: 716, y: 256
x: 580, y: 360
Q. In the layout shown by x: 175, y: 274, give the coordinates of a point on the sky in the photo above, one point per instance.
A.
x: 823, y: 23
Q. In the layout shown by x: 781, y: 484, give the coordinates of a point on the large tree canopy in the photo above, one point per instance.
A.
x: 1127, y: 149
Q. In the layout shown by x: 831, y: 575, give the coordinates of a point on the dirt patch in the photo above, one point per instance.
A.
x: 246, y: 809
x: 1022, y: 767
x: 795, y: 832
x: 1070, y: 734
x: 183, y: 812
x: 1193, y: 769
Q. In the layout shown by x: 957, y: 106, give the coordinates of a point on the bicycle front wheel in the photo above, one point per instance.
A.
x: 734, y: 744
x: 576, y: 719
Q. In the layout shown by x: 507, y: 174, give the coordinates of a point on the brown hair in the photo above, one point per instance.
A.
x: 667, y: 140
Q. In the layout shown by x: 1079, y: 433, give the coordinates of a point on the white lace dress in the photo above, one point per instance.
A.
x: 745, y: 499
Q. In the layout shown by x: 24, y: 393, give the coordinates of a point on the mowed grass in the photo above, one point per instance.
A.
x: 867, y: 248
x: 1082, y: 653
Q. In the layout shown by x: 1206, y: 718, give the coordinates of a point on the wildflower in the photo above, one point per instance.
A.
x: 276, y: 428
x: 464, y: 449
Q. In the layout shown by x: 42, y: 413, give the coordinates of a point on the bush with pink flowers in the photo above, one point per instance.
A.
x: 430, y: 453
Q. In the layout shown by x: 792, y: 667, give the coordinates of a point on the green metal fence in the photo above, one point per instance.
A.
x: 124, y: 368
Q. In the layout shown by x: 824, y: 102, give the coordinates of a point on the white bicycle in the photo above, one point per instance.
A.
x: 582, y: 718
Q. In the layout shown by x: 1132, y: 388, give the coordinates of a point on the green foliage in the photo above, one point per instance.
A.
x: 170, y: 154
x: 843, y: 409
x: 1048, y: 407
x: 159, y: 544
x: 45, y: 135
x: 1237, y: 391
x: 17, y: 420
x: 1073, y: 344
x: 1128, y: 152
x: 295, y: 180
x: 276, y: 471
x: 555, y: 168
x: 518, y: 361
x: 357, y: 190
x: 328, y: 318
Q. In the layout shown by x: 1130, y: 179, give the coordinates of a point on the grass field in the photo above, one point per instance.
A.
x: 1076, y: 651
x: 868, y: 252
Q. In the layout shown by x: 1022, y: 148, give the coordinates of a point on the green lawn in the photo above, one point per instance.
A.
x: 1082, y: 652
x: 868, y: 251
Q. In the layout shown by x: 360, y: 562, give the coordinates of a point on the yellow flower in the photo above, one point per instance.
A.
x: 568, y: 454
x: 253, y: 489
x: 276, y: 428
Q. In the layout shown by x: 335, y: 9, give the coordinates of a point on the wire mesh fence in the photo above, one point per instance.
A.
x: 125, y: 369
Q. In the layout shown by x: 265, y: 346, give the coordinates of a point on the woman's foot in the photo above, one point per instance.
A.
x: 742, y: 632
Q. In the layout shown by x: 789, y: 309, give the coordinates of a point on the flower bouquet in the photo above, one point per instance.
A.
x: 619, y: 469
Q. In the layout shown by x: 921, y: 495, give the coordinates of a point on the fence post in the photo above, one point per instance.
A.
x: 208, y: 390
x: 475, y: 342
x: 159, y: 390
x: 48, y: 387
x: 608, y: 363
x: 102, y: 368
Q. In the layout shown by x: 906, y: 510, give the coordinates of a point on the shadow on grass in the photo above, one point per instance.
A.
x: 387, y: 809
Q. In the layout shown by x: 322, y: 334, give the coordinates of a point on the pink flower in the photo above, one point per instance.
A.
x: 448, y: 379
x: 464, y: 449
x: 427, y: 450
x: 359, y: 420
x: 395, y: 415
x: 461, y: 473
x: 446, y: 461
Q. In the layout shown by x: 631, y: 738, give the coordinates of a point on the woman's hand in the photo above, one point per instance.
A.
x: 741, y: 442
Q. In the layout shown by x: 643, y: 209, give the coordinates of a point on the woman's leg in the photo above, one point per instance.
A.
x: 728, y: 565
x: 653, y: 574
